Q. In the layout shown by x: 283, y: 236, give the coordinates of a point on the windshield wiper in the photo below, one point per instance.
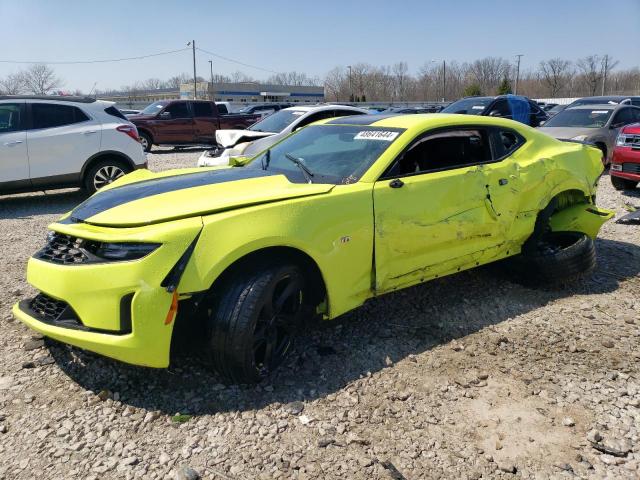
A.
x: 266, y: 156
x: 305, y: 170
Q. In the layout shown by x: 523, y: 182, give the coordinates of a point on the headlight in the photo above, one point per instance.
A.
x: 616, y: 167
x: 122, y: 251
x: 621, y: 140
x: 580, y: 138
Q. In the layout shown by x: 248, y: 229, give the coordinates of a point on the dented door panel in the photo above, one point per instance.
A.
x: 433, y: 219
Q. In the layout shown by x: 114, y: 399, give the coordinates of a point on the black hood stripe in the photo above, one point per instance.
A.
x: 369, y: 119
x: 117, y: 196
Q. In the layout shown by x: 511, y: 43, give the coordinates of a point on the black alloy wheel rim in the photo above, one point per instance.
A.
x: 276, y: 324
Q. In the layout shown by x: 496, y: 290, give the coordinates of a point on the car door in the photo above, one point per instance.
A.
x: 60, y: 139
x: 176, y: 125
x: 431, y: 209
x: 14, y: 162
x: 205, y: 122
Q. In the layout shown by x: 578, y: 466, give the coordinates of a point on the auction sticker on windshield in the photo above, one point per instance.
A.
x: 383, y: 135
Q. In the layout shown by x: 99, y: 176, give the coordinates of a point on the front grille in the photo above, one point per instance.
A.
x: 63, y: 249
x: 631, y: 168
x: 631, y: 140
x: 50, y: 310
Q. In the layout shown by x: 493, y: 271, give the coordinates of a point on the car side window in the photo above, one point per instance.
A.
x: 178, y: 110
x: 10, y: 115
x: 623, y: 117
x: 222, y: 109
x: 314, y: 117
x: 443, y: 150
x: 502, y: 108
x: 202, y: 109
x: 48, y: 115
x: 636, y: 114
x: 504, y: 143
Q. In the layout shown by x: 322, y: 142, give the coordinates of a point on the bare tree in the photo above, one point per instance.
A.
x: 177, y: 80
x: 12, y: 84
x: 400, y: 71
x: 39, y: 79
x: 489, y: 71
x: 591, y: 70
x: 152, y: 84
x: 554, y: 74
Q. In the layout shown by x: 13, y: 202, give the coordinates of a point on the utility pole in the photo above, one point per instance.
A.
x: 444, y: 80
x: 604, y: 73
x: 350, y: 89
x: 211, y: 67
x: 515, y: 88
x: 195, y: 88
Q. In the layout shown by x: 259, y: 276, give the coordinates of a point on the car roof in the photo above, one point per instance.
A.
x: 429, y: 120
x: 601, y: 106
x: 58, y: 98
x: 319, y: 108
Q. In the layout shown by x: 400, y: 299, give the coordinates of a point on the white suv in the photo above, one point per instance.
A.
x: 59, y: 142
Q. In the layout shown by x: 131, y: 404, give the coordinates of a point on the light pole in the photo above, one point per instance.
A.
x: 211, y: 68
x: 195, y: 89
x: 515, y: 88
x: 350, y: 89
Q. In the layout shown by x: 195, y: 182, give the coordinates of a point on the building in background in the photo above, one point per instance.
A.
x: 253, y: 92
x: 238, y: 93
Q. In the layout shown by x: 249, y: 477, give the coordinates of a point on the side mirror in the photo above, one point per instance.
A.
x: 613, y: 126
x: 164, y: 116
x: 494, y: 113
x: 542, y: 122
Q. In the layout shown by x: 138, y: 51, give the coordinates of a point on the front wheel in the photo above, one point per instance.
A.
x: 253, y: 321
x: 104, y: 173
x: 620, y: 183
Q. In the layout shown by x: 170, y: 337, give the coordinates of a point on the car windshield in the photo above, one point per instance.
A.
x: 276, y: 122
x: 338, y: 154
x: 153, y: 108
x: 580, y: 117
x: 468, y: 106
x: 595, y: 101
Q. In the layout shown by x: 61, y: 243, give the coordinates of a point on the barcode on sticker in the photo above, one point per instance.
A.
x: 376, y: 135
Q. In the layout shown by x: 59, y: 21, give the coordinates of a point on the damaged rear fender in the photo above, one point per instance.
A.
x: 583, y: 218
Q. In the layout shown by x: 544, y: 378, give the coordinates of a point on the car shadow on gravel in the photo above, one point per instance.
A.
x: 189, y: 149
x: 385, y: 330
x: 40, y: 203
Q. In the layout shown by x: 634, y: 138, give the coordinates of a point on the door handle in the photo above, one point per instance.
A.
x: 503, y: 181
x: 11, y: 144
x: 89, y: 132
x: 397, y: 183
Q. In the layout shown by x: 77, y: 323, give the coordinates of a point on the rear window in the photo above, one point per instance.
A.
x: 114, y: 112
x: 47, y: 115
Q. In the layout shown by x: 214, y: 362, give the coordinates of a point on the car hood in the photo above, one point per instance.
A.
x: 144, y: 198
x: 568, y: 132
x: 229, y: 138
x: 138, y: 117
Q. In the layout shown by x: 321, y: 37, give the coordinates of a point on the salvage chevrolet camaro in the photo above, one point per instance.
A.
x: 337, y: 213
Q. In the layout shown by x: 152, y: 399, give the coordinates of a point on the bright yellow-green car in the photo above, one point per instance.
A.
x: 337, y: 213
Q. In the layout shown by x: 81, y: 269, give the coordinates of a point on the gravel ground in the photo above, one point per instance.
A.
x: 466, y: 377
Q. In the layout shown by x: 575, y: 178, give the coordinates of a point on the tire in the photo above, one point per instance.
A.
x: 103, y: 173
x: 252, y: 323
x: 623, y: 183
x: 146, y: 141
x: 557, y: 258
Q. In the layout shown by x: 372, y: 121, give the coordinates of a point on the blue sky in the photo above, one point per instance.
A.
x: 312, y: 37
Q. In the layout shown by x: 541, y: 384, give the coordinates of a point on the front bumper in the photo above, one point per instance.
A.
x: 626, y: 163
x: 118, y: 309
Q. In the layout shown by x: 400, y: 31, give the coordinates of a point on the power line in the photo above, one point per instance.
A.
x: 77, y: 62
x: 236, y: 61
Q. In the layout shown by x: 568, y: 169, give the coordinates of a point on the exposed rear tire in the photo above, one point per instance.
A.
x: 103, y: 173
x: 253, y: 321
x: 146, y: 141
x: 557, y: 258
x: 620, y: 183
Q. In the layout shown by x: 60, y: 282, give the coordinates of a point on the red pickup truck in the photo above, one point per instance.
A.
x: 185, y: 122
